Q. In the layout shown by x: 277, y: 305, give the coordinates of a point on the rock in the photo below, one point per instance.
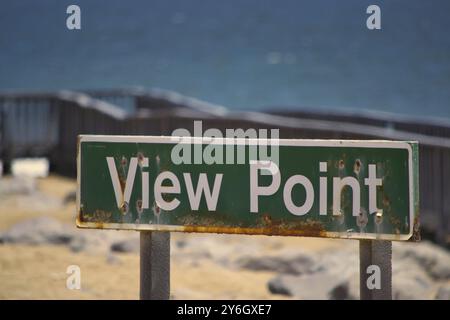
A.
x: 331, y: 274
x: 200, y: 247
x: 44, y: 230
x: 77, y: 245
x: 38, y: 231
x: 443, y: 292
x: 17, y: 186
x: 432, y: 258
x: 410, y: 281
x: 70, y: 197
x: 278, y: 285
x: 22, y: 193
x: 127, y: 245
x: 344, y: 261
x: 113, y: 259
x: 90, y: 241
x: 320, y: 285
x: 335, y: 274
x: 348, y: 289
x: 288, y: 263
x: 181, y: 244
x: 105, y: 241
x: 341, y: 292
x: 333, y: 282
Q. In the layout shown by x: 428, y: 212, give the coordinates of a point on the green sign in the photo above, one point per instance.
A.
x: 321, y: 188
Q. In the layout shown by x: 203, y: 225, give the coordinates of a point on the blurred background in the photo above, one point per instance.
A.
x: 309, y: 68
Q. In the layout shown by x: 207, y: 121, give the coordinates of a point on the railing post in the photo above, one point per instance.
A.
x: 375, y: 269
x: 154, y: 265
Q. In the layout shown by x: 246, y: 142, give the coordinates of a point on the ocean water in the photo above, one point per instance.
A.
x: 243, y: 54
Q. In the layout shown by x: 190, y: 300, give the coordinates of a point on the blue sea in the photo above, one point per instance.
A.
x: 243, y: 54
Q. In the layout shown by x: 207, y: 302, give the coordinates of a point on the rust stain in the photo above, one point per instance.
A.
x: 357, y: 167
x: 269, y: 227
x: 140, y: 157
x: 266, y: 225
x: 80, y: 216
x: 313, y: 232
x: 341, y: 165
x: 98, y: 225
x: 273, y: 231
x: 416, y: 237
x: 395, y: 222
x: 266, y: 219
x: 124, y: 208
x: 122, y: 182
x: 386, y: 200
x: 99, y: 217
x: 139, y: 206
x: 122, y: 173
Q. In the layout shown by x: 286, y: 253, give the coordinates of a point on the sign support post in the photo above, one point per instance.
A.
x: 375, y: 260
x: 154, y: 265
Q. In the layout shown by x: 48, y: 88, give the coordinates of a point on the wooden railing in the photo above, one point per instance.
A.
x: 47, y: 124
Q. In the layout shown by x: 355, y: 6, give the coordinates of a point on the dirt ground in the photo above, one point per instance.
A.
x: 39, y: 272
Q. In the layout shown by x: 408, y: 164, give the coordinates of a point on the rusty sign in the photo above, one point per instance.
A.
x: 321, y: 188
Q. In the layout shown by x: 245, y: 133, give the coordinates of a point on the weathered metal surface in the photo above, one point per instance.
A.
x: 375, y: 274
x: 154, y: 265
x: 396, y: 198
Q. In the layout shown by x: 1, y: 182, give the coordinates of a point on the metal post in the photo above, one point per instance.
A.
x: 155, y: 265
x: 375, y: 253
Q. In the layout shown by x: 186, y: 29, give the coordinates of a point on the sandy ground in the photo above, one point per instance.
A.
x: 17, y: 207
x: 39, y: 272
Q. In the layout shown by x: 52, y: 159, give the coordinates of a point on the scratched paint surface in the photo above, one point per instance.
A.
x: 98, y: 208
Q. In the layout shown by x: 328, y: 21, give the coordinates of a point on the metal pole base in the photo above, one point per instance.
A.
x: 375, y: 269
x: 155, y: 265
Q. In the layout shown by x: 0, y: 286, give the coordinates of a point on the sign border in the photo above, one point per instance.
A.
x: 389, y: 144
